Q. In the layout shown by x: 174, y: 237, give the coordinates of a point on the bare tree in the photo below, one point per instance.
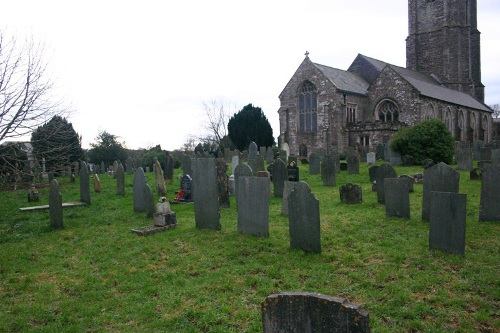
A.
x: 25, y: 90
x: 217, y: 114
x: 496, y: 110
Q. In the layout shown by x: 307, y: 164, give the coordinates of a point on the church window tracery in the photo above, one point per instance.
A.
x: 388, y: 112
x: 308, y: 112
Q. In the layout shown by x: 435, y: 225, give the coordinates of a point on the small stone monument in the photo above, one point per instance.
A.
x: 97, y: 183
x: 33, y: 194
x: 55, y: 205
x: 351, y: 193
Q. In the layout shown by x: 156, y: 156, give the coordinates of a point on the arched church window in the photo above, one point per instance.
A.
x: 308, y: 112
x: 388, y: 112
x: 429, y: 112
x: 448, y: 120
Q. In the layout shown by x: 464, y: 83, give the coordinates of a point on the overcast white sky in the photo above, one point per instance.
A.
x: 142, y: 69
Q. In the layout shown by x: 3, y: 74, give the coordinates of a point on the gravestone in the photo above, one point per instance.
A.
x: 372, y: 171
x: 371, y: 158
x: 269, y: 155
x: 293, y: 171
x: 475, y: 174
x: 33, y: 194
x: 351, y: 193
x: 222, y: 183
x: 206, y: 201
x: 409, y: 181
x: 161, y: 188
x: 299, y: 312
x: 287, y: 189
x: 262, y: 151
x: 486, y: 154
x: 483, y: 164
x: 164, y: 217
x: 387, y: 152
x: 227, y: 154
x: 235, y: 160
x: 149, y: 201
x: 286, y: 150
x: 138, y: 189
x: 186, y: 188
x: 407, y: 160
x: 242, y: 170
x: 353, y: 164
x: 84, y: 184
x: 328, y: 171
x: 314, y: 164
x: 259, y: 165
x: 103, y: 167
x: 343, y: 166
x: 384, y: 171
x: 380, y: 152
x: 395, y: 159
x: 55, y: 205
x: 186, y: 165
x: 115, y: 165
x: 129, y: 165
x: 495, y: 156
x: 265, y: 174
x: 51, y: 176
x: 438, y: 178
x: 397, y: 198
x: 447, y: 222
x: 97, y: 183
x: 476, y: 149
x: 280, y: 174
x: 252, y: 151
x: 302, y: 151
x: 77, y: 167
x: 253, y: 206
x: 120, y: 180
x: 489, y: 206
x: 303, y: 219
x: 169, y: 167
x: 464, y: 158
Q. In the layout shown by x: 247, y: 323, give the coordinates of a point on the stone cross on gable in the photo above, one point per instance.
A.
x: 306, y: 54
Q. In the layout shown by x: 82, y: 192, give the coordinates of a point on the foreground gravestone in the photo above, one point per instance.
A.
x: 328, y: 171
x: 55, y: 205
x: 287, y: 189
x: 149, y: 201
x: 447, y: 222
x: 84, y: 184
x: 303, y: 218
x: 397, y: 198
x: 350, y: 193
x: 293, y: 312
x: 120, y: 179
x: 384, y: 171
x: 169, y: 167
x: 489, y: 207
x: 222, y: 183
x: 138, y: 188
x: 280, y: 174
x: 438, y: 178
x: 314, y: 164
x: 206, y: 201
x: 253, y: 206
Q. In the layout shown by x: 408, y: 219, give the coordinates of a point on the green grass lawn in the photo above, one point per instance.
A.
x: 95, y: 275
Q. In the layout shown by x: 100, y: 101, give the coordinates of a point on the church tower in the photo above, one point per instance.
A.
x: 443, y: 41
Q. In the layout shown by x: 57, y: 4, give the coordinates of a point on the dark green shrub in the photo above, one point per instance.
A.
x: 429, y: 139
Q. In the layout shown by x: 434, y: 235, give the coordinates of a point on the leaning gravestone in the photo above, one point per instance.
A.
x: 139, y: 184
x: 293, y: 312
x: 280, y: 174
x: 253, y: 206
x: 447, y: 222
x: 120, y: 180
x: 351, y: 193
x: 314, y: 164
x: 384, y: 171
x: 169, y: 167
x: 438, y: 178
x: 149, y: 201
x: 206, y: 201
x: 303, y: 218
x: 84, y: 184
x: 161, y: 188
x: 55, y: 205
x: 222, y: 183
x: 328, y: 171
x: 287, y: 189
x: 353, y: 164
x: 397, y: 198
x: 489, y: 207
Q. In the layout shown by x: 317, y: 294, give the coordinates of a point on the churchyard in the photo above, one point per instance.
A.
x: 94, y: 274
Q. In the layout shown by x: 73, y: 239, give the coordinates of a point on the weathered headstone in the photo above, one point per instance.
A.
x: 161, y: 187
x: 350, y: 193
x: 97, y: 183
x: 253, y: 206
x: 262, y: 151
x: 395, y: 159
x: 186, y: 165
x: 120, y: 180
x: 328, y: 171
x: 303, y: 218
x: 447, y: 222
x: 438, y: 178
x: 314, y: 164
x: 222, y: 183
x: 371, y: 158
x: 286, y: 149
x: 280, y: 174
x: 384, y: 171
x: 372, y: 171
x: 242, y: 170
x: 409, y: 180
x: 464, y: 158
x: 252, y: 151
x: 84, y: 184
x: 486, y: 154
x: 476, y: 149
x: 235, y: 160
x: 169, y: 167
x: 138, y: 188
x: 33, y: 194
x: 380, y: 152
x: 475, y: 174
x: 115, y: 166
x: 55, y: 205
x: 489, y: 206
x: 293, y: 312
x: 293, y: 171
x: 287, y: 189
x: 495, y: 156
x: 269, y: 155
x: 149, y: 201
x: 387, y: 152
x: 206, y: 201
x: 343, y: 166
x: 407, y: 160
x: 397, y: 198
x: 129, y: 165
x: 353, y: 164
x: 103, y: 167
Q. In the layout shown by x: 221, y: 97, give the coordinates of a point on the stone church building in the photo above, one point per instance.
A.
x: 328, y: 108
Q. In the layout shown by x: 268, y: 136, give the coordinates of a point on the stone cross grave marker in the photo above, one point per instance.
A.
x: 438, y: 178
x: 303, y: 218
x: 206, y: 200
x: 447, y: 222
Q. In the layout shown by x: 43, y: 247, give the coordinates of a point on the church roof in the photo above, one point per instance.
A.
x: 426, y: 85
x: 345, y: 81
